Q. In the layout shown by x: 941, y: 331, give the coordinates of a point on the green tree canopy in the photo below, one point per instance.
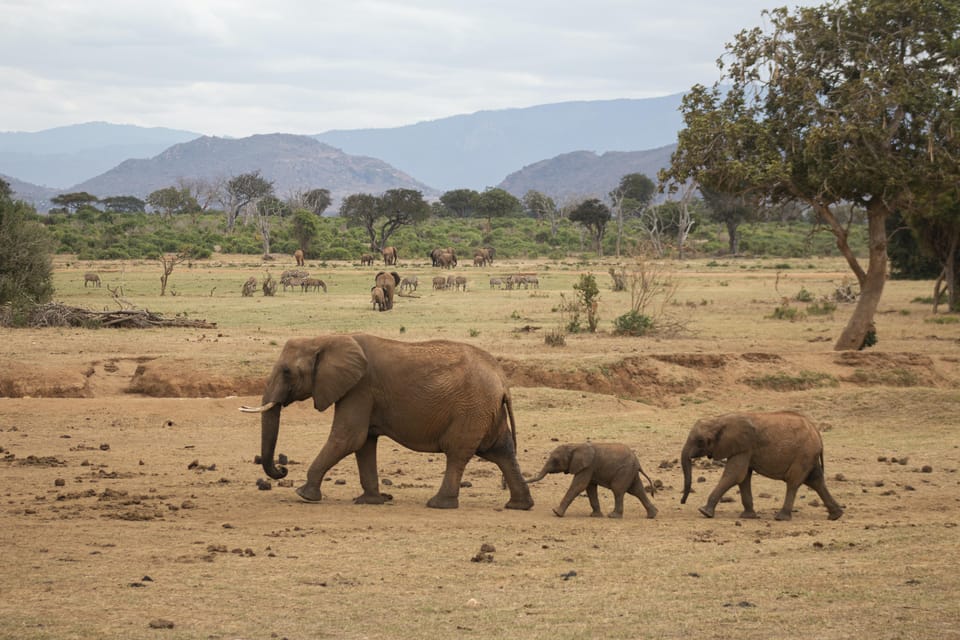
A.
x: 594, y: 215
x: 730, y: 210
x: 73, y: 202
x: 463, y: 203
x: 497, y: 203
x: 632, y: 195
x: 317, y: 201
x: 394, y: 209
x: 171, y: 200
x: 123, y: 204
x: 26, y: 268
x: 242, y: 190
x: 844, y: 102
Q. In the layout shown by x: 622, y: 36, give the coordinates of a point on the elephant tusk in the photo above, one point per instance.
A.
x: 262, y: 409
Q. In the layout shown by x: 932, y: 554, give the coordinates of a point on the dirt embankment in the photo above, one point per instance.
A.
x: 661, y: 380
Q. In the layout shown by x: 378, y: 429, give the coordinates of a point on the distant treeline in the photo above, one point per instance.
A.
x: 97, y: 235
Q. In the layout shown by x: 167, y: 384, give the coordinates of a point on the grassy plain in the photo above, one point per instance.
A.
x: 129, y: 496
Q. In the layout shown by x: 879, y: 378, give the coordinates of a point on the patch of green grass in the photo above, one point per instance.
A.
x: 788, y: 382
x: 895, y: 377
x: 943, y: 320
x: 822, y: 308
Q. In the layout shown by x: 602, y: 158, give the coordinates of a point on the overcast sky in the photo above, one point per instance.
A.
x: 239, y: 67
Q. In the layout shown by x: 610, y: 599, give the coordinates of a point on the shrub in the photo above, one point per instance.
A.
x: 26, y: 268
x: 632, y: 323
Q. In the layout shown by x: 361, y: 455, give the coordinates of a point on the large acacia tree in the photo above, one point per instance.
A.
x: 391, y: 210
x: 847, y: 102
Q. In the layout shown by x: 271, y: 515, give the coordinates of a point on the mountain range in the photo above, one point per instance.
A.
x: 565, y: 150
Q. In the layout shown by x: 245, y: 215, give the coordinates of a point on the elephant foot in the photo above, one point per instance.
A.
x: 520, y: 505
x: 596, y: 514
x: 835, y: 515
x: 706, y: 511
x: 438, y: 502
x: 558, y: 512
x: 783, y: 516
x: 749, y: 515
x: 309, y: 493
x: 378, y: 498
x: 615, y: 514
x: 652, y: 513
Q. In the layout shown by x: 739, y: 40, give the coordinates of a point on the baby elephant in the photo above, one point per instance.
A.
x: 609, y: 465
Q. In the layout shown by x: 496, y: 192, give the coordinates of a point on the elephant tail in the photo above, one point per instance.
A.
x: 653, y: 490
x: 508, y: 403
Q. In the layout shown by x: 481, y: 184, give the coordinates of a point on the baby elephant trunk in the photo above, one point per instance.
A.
x: 687, y: 465
x: 537, y: 478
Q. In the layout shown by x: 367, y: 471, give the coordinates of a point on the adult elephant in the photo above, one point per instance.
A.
x: 434, y: 397
x: 438, y: 260
x: 388, y: 282
x: 298, y: 256
x: 782, y: 445
x: 389, y: 256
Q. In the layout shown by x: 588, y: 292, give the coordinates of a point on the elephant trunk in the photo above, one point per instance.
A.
x: 537, y: 478
x: 269, y: 429
x: 687, y: 465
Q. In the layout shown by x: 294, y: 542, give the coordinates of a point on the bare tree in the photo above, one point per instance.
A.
x: 168, y: 261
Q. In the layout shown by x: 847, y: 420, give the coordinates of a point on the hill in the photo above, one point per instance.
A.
x: 584, y: 173
x: 476, y: 151
x: 64, y: 156
x: 291, y: 162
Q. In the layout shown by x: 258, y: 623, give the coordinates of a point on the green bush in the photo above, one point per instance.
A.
x: 632, y: 323
x: 26, y: 268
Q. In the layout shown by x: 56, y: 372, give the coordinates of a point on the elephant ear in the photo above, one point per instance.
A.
x: 396, y: 277
x: 735, y: 434
x: 339, y: 364
x: 582, y: 458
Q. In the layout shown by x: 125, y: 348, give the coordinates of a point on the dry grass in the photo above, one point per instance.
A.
x: 227, y: 561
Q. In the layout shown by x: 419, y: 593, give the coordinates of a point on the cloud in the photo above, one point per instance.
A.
x: 237, y: 67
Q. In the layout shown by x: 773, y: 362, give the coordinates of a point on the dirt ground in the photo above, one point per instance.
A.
x: 131, y: 506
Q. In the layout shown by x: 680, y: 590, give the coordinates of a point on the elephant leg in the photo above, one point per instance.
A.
x: 594, y: 500
x: 448, y: 497
x: 746, y: 497
x: 505, y: 457
x: 369, y: 478
x: 617, y: 504
x: 580, y: 483
x: 786, y: 511
x: 640, y: 491
x: 339, y: 445
x: 733, y: 473
x: 817, y: 482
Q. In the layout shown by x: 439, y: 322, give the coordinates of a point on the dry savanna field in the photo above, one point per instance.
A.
x: 131, y: 506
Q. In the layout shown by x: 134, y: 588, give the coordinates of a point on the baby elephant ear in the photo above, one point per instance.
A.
x: 581, y: 459
x: 340, y: 363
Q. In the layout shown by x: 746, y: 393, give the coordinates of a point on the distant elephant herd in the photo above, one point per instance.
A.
x: 455, y: 400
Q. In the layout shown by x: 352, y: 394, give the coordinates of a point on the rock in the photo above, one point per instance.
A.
x: 59, y: 482
x: 264, y: 485
x: 926, y: 469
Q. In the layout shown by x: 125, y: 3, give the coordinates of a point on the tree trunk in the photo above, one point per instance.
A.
x: 732, y: 240
x: 854, y: 335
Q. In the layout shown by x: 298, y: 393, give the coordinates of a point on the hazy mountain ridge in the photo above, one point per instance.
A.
x: 479, y: 150
x: 63, y: 156
x: 571, y: 149
x: 291, y: 162
x: 586, y: 174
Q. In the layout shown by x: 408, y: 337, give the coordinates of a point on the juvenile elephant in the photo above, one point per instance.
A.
x: 366, y: 259
x: 433, y: 397
x: 611, y: 465
x: 389, y: 283
x: 782, y: 445
x: 376, y: 297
